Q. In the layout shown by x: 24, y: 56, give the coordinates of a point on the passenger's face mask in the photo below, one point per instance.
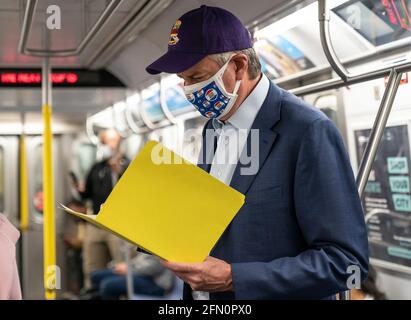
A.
x: 210, y: 97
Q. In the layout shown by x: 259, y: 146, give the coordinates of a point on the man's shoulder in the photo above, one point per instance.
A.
x: 299, y: 112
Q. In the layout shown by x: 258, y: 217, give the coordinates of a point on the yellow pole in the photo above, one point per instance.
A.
x: 24, y: 205
x: 49, y: 235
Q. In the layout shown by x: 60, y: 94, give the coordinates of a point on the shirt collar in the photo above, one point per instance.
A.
x: 244, y: 117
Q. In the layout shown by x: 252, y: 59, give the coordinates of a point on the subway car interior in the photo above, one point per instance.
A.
x: 350, y: 59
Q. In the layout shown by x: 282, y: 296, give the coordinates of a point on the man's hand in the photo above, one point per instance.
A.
x: 212, y: 275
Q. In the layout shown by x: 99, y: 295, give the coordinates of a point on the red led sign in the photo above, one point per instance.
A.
x: 35, y: 78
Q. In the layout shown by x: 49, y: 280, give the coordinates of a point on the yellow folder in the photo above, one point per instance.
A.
x: 168, y: 206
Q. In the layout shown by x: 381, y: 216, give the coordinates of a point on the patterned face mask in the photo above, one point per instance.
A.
x: 210, y: 97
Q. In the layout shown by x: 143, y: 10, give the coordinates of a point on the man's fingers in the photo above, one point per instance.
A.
x: 193, y: 281
x: 188, y: 277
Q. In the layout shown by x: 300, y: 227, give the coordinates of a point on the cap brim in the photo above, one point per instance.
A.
x: 175, y: 62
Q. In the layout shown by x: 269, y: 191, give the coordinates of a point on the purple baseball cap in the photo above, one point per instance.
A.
x: 198, y: 33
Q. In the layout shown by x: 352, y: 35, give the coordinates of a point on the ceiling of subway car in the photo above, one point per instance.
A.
x: 77, y: 19
x: 130, y: 64
x: 132, y: 37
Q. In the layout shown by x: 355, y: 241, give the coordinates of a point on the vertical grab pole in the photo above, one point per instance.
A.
x: 24, y: 203
x: 49, y: 235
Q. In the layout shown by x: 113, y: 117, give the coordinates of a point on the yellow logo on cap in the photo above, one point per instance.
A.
x: 174, y: 33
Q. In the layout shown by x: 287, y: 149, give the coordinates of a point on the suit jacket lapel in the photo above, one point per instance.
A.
x: 265, y: 120
x: 242, y: 181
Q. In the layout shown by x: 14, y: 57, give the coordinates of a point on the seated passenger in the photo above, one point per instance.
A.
x: 149, y: 278
x: 9, y: 277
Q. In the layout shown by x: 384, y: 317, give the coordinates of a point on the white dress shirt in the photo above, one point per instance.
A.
x: 232, y: 137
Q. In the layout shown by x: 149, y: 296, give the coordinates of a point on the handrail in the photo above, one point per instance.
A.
x: 387, y: 212
x: 336, y: 83
x: 324, y: 23
x: 28, y: 20
x: 328, y: 48
x: 387, y: 101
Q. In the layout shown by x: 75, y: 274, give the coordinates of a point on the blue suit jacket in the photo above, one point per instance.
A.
x: 302, y: 223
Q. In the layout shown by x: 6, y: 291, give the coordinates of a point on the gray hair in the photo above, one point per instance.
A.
x: 254, y: 66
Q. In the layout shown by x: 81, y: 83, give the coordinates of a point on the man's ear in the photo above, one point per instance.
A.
x: 241, y: 65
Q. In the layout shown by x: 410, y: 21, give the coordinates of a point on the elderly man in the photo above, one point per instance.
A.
x: 301, y: 231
